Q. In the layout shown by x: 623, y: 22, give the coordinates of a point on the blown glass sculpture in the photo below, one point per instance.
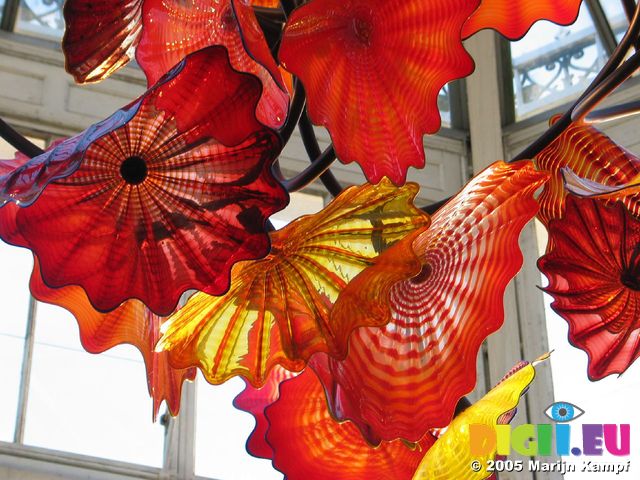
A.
x: 356, y: 329
x: 278, y: 310
x: 593, y: 270
x: 158, y: 199
x: 440, y: 296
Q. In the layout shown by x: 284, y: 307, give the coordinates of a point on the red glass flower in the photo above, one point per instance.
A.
x: 130, y: 323
x: 100, y: 36
x: 513, y: 18
x: 173, y: 29
x: 593, y: 270
x: 103, y: 36
x: 157, y: 199
x: 589, y: 154
x: 373, y: 70
x: 307, y: 442
x: 295, y: 429
x: 441, y: 294
x: 278, y: 309
x: 255, y: 401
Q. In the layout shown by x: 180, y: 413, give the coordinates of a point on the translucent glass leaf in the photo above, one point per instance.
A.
x: 593, y: 268
x: 373, y: 71
x: 278, y: 309
x: 439, y: 296
x: 157, y: 199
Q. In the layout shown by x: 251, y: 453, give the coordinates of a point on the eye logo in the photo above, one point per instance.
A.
x: 563, y: 412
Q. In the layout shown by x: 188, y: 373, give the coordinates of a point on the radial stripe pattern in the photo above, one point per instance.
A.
x: 443, y: 296
x: 593, y: 270
x: 277, y: 310
x: 590, y: 155
x: 157, y: 199
x: 372, y: 70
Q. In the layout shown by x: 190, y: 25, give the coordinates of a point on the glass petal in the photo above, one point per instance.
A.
x: 594, y: 278
x: 590, y: 155
x: 278, y: 309
x: 130, y: 323
x: 306, y: 438
x: 513, y: 18
x: 583, y: 187
x: 372, y: 72
x: 451, y: 457
x: 442, y: 295
x: 255, y: 401
x: 100, y: 36
x: 163, y: 203
x: 174, y: 29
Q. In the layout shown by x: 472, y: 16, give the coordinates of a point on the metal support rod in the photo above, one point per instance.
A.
x: 313, y: 151
x: 25, y: 375
x: 603, y: 28
x: 18, y: 141
x: 313, y: 171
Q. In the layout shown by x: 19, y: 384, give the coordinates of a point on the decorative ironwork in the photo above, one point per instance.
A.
x: 553, y: 73
x: 41, y: 17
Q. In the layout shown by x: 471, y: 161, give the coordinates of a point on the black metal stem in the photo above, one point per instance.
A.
x: 313, y: 151
x: 295, y: 111
x: 614, y: 112
x: 561, y: 125
x: 598, y: 94
x: 629, y: 8
x: 19, y: 142
x: 313, y: 171
x: 288, y: 6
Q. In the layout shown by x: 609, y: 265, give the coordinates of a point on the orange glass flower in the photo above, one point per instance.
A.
x: 593, y: 270
x: 101, y: 37
x: 589, y: 154
x: 295, y: 429
x: 157, y: 199
x: 278, y: 309
x: 514, y: 18
x: 173, y: 29
x: 131, y: 323
x: 372, y: 71
x: 307, y: 441
x: 439, y: 296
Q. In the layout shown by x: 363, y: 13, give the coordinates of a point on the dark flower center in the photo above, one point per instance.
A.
x: 363, y: 30
x: 630, y: 276
x: 423, y: 275
x: 133, y: 170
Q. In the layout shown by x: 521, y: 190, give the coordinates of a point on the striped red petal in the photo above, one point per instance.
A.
x: 372, y: 71
x: 100, y: 36
x: 255, y: 401
x: 406, y: 377
x: 590, y: 154
x: 131, y: 323
x: 173, y: 29
x: 593, y: 268
x: 157, y: 199
x: 513, y: 18
x: 307, y: 442
x: 278, y: 309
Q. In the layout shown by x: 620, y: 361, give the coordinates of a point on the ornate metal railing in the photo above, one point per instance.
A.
x: 41, y: 17
x: 555, y: 73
